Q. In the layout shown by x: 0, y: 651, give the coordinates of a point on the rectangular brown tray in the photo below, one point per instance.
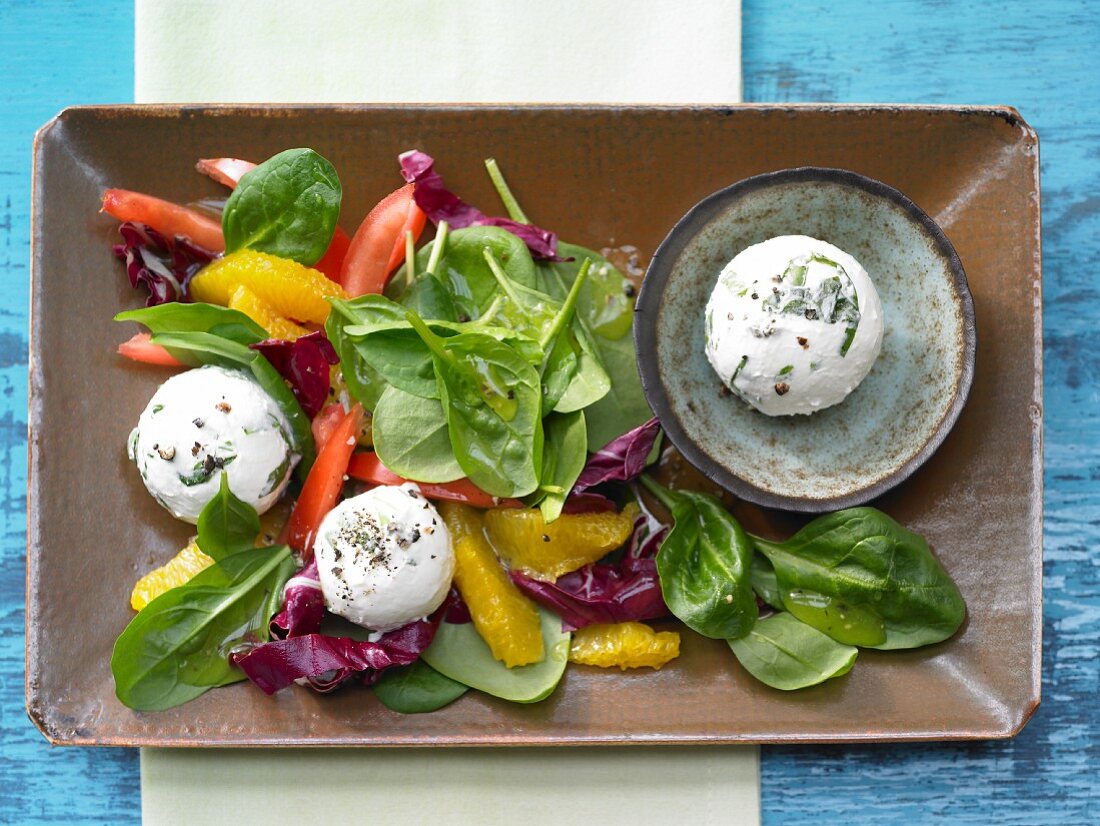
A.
x: 599, y: 176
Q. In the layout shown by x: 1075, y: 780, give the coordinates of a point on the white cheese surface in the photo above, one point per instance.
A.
x: 793, y: 325
x: 384, y: 558
x: 205, y: 422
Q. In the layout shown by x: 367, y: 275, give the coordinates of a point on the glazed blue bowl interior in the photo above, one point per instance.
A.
x: 893, y: 421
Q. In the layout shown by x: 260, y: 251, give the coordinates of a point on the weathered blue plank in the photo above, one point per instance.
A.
x: 52, y: 54
x: 1043, y: 58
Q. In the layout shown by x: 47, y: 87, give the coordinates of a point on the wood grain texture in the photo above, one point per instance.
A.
x: 1042, y: 58
x: 53, y: 54
x: 1039, y: 56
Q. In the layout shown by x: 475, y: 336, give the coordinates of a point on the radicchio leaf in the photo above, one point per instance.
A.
x: 161, y: 266
x: 303, y: 605
x: 440, y: 204
x: 304, y: 363
x: 621, y: 459
x: 607, y: 592
x: 325, y: 662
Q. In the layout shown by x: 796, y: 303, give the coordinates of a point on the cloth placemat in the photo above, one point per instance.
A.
x: 489, y: 51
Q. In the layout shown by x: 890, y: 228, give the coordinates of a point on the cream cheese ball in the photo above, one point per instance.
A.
x: 793, y: 326
x: 206, y: 422
x: 384, y: 558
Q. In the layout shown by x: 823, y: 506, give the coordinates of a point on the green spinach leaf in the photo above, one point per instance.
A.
x: 286, y: 206
x: 459, y: 652
x: 493, y: 400
x: 178, y: 646
x: 623, y: 405
x: 175, y: 317
x: 563, y: 458
x: 862, y: 578
x: 787, y: 654
x: 363, y: 382
x: 417, y: 688
x: 430, y: 299
x: 411, y: 437
x: 226, y: 524
x: 463, y: 271
x: 605, y: 303
x: 205, y: 348
x: 703, y: 565
x: 764, y: 583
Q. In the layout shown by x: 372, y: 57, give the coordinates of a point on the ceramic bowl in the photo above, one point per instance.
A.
x: 893, y: 421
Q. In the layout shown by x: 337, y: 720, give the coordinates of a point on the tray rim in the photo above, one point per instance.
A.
x: 40, y: 715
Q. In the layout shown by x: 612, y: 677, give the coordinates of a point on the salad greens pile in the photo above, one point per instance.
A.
x: 488, y: 363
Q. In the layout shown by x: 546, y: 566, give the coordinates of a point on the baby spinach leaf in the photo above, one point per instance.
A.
x: 493, y: 400
x: 286, y: 206
x: 764, y: 583
x: 703, y: 564
x: 860, y: 577
x: 395, y: 352
x: 417, y: 688
x: 459, y: 652
x: 175, y: 317
x: 563, y: 458
x: 205, y: 348
x: 178, y: 646
x: 363, y: 382
x: 623, y: 406
x: 430, y: 299
x: 411, y: 438
x: 226, y: 524
x: 605, y: 303
x: 463, y: 271
x: 588, y: 384
x: 787, y: 654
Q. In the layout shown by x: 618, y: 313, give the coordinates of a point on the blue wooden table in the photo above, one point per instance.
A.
x: 1042, y: 57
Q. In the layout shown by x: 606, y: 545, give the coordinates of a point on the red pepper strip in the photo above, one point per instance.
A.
x: 378, y: 247
x: 227, y: 171
x: 139, y: 348
x: 367, y: 467
x: 325, y: 423
x: 165, y: 217
x: 332, y: 262
x: 323, y: 484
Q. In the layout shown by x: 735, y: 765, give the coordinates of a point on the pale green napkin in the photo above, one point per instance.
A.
x: 644, y: 51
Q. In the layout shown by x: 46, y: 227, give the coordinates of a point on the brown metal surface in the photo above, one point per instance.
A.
x: 600, y: 177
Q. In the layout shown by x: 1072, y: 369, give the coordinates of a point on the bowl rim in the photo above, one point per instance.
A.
x: 646, y: 330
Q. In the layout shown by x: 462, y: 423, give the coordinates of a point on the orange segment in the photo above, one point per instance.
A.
x: 505, y: 618
x: 525, y: 542
x: 290, y: 289
x: 247, y: 302
x: 625, y: 644
x: 178, y: 570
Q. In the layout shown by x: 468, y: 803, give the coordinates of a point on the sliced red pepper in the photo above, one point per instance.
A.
x: 326, y: 422
x: 332, y: 262
x: 323, y: 484
x: 227, y: 171
x: 378, y: 247
x: 367, y: 467
x: 140, y: 348
x: 165, y: 217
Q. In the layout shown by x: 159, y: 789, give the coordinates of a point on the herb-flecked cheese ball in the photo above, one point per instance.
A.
x: 793, y: 325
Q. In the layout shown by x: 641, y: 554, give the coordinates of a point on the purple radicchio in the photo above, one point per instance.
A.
x: 304, y: 363
x: 610, y: 591
x: 161, y: 266
x: 325, y: 662
x: 440, y: 204
x: 621, y: 459
x: 300, y: 653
